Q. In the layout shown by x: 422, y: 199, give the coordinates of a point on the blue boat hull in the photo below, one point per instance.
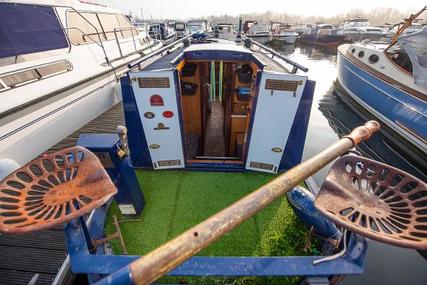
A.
x: 403, y: 113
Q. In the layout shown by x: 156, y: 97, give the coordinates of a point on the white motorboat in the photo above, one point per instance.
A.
x: 257, y: 32
x: 60, y: 62
x: 283, y: 33
x: 359, y: 29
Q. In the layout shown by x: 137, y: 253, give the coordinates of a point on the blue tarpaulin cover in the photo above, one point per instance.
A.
x: 29, y: 28
x: 415, y: 45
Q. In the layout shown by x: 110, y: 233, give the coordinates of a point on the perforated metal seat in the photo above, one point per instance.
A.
x: 376, y: 200
x: 52, y: 190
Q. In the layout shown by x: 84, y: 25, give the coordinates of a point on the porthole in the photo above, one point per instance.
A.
x: 361, y: 54
x: 353, y: 50
x: 373, y: 58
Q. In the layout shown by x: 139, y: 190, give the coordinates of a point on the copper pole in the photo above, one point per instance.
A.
x: 158, y: 262
x: 404, y: 26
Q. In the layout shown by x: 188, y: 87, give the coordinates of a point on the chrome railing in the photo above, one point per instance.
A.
x: 160, y: 51
x: 117, y: 39
x: 261, y: 47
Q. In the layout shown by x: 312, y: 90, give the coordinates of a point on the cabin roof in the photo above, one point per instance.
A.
x: 224, y: 44
x: 221, y: 45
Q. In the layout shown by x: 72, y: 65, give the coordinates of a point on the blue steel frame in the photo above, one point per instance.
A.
x: 99, y: 264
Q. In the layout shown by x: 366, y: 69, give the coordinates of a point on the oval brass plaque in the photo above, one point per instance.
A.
x: 154, y: 146
x: 276, y: 149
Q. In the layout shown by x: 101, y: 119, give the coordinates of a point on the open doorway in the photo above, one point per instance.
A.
x: 216, y: 101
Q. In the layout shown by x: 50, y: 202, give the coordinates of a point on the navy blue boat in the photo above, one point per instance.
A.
x: 390, y: 81
x: 323, y: 35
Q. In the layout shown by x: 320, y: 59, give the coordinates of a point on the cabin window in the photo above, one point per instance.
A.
x: 22, y: 77
x: 84, y: 27
x: 361, y: 54
x: 373, y: 58
x: 126, y: 27
x: 19, y: 78
x: 400, y: 57
x: 28, y: 29
x: 109, y: 23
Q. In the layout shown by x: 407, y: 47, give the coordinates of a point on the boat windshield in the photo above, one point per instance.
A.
x: 179, y: 26
x: 358, y: 24
x: 415, y: 47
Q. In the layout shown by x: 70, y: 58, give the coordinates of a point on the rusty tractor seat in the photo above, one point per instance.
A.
x: 376, y: 200
x: 53, y: 189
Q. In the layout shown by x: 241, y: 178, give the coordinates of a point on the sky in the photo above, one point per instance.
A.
x: 183, y: 9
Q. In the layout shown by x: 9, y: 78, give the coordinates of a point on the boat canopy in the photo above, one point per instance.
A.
x: 415, y: 45
x: 29, y: 28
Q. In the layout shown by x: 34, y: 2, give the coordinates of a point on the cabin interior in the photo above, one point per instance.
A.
x: 217, y: 104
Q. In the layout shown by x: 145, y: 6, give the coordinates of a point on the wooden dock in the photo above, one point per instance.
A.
x: 44, y: 252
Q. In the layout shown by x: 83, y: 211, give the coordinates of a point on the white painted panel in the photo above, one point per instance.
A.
x: 168, y: 140
x: 274, y: 116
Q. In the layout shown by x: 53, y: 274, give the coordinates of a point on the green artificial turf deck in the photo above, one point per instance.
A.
x: 178, y: 200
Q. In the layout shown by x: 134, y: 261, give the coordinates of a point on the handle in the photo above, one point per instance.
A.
x: 158, y: 262
x: 363, y: 133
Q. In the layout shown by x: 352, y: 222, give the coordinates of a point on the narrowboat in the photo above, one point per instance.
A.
x: 60, y: 62
x: 389, y: 80
x: 213, y: 103
x: 237, y: 112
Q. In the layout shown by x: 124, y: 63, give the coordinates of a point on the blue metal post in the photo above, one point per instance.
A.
x: 119, y: 166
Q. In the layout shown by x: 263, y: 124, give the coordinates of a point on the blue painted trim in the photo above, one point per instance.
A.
x: 295, y: 145
x: 220, y: 166
x: 259, y: 63
x: 179, y: 59
x: 100, y: 264
x: 140, y: 153
x: 350, y: 263
x: 225, y: 55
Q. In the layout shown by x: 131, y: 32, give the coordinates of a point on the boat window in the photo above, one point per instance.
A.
x: 110, y: 22
x: 373, y: 58
x: 19, y: 78
x: 53, y: 68
x: 361, y: 54
x: 399, y: 56
x: 179, y: 26
x: 36, y: 73
x: 28, y: 29
x: 83, y: 27
x: 126, y: 27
